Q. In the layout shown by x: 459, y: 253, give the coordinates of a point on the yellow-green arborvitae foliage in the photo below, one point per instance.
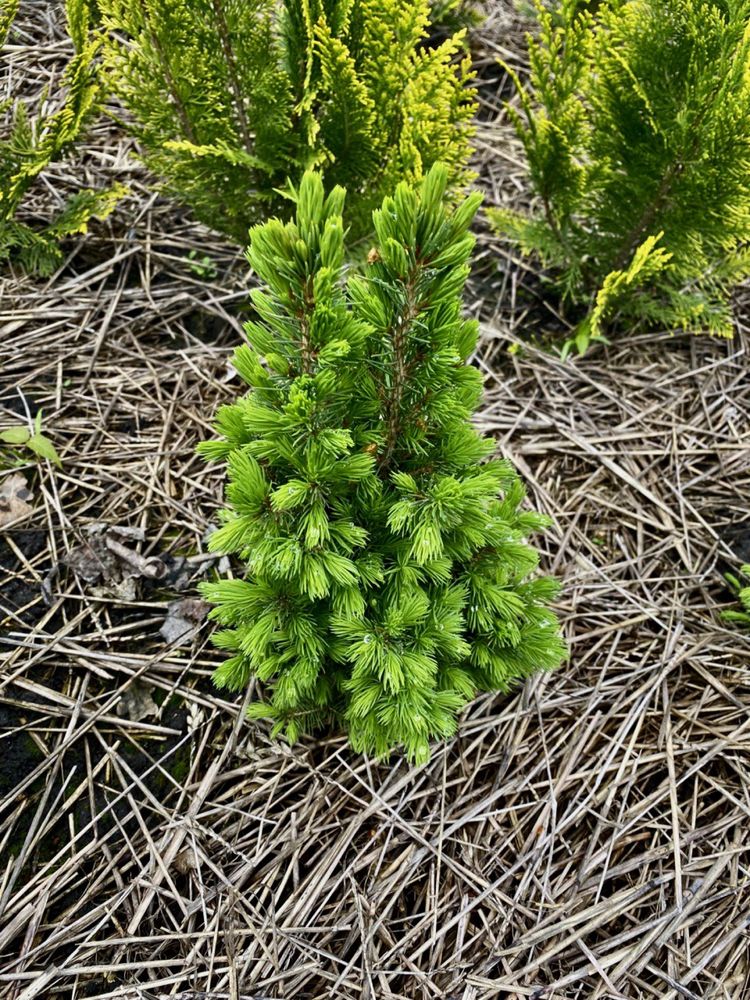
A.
x: 636, y: 125
x: 453, y: 15
x: 387, y: 575
x: 231, y: 99
x: 36, y: 138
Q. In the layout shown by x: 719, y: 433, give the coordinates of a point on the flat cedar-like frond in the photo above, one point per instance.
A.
x: 432, y: 88
x: 347, y: 113
x: 454, y: 15
x: 232, y: 100
x: 36, y: 140
x: 387, y: 569
x: 32, y: 249
x: 8, y: 11
x: 85, y: 205
x: 636, y: 122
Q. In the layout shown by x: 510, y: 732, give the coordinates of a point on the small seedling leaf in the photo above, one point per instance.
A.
x: 15, y: 435
x: 43, y: 447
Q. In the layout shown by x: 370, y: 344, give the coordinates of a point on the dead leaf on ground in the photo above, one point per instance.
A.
x: 136, y: 702
x: 185, y: 861
x: 184, y: 618
x: 105, y: 560
x: 14, y: 500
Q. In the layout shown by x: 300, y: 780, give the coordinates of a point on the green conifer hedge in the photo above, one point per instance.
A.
x: 233, y: 97
x: 636, y: 126
x: 387, y: 572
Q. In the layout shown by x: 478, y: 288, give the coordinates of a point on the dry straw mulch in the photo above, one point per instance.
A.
x: 583, y: 837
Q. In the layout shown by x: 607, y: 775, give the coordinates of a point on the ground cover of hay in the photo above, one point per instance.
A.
x: 584, y: 837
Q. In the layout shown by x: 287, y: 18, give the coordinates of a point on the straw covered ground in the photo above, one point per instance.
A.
x: 584, y: 837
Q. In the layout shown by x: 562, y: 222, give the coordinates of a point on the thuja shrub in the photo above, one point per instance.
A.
x: 387, y: 573
x: 230, y: 98
x: 36, y: 137
x: 635, y: 121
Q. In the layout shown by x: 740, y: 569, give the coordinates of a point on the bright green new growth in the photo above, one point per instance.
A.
x: 36, y: 141
x: 386, y: 563
x: 636, y: 127
x: 742, y: 590
x: 232, y: 98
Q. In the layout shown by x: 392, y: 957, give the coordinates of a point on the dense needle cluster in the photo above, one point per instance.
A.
x: 741, y: 586
x: 387, y: 572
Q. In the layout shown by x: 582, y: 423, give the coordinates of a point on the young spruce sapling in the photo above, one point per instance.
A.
x: 387, y: 577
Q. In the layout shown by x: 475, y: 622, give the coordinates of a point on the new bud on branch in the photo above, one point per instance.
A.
x: 387, y: 573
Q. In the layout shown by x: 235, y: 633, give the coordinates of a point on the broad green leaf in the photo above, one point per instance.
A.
x: 43, y: 447
x: 15, y: 435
